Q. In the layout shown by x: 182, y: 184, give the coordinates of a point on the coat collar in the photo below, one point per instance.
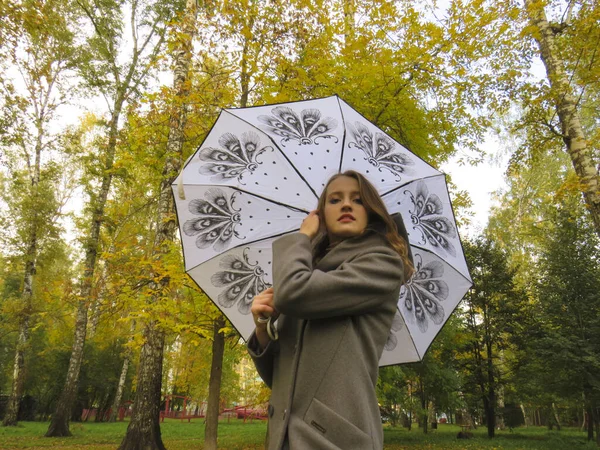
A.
x: 372, y: 237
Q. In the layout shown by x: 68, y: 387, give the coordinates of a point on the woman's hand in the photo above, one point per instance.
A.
x: 310, y: 225
x: 262, y: 308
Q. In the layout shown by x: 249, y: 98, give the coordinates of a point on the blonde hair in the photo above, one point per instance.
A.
x: 376, y: 213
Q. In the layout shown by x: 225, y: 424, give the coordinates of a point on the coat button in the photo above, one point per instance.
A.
x: 270, y: 410
x: 284, y: 413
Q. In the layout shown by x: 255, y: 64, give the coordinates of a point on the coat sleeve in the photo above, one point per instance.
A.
x: 263, y: 358
x: 359, y: 286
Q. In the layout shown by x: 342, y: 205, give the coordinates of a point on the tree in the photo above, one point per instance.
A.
x: 42, y: 54
x: 119, y: 84
x: 491, y: 309
x: 568, y: 327
x: 212, y: 413
x: 565, y: 96
x: 144, y: 429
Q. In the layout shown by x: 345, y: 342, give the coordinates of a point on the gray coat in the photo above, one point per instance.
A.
x: 335, y: 320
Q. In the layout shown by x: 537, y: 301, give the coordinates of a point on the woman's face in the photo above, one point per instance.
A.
x: 345, y: 215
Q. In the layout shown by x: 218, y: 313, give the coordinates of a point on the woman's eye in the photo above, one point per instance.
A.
x: 333, y: 201
x: 358, y: 200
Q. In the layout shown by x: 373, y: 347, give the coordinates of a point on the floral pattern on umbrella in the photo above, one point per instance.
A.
x: 307, y: 128
x: 392, y: 340
x: 241, y: 280
x: 235, y: 158
x: 422, y: 294
x: 216, y: 221
x: 428, y: 217
x: 380, y: 150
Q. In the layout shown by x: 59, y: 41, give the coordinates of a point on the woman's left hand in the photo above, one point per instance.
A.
x: 310, y: 225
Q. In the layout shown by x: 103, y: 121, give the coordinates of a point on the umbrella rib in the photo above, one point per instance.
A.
x: 344, y: 136
x: 257, y: 196
x: 279, y: 103
x: 458, y: 235
x: 410, y: 335
x: 412, y: 181
x: 405, y: 147
x: 265, y: 238
x: 280, y: 151
x: 421, y: 247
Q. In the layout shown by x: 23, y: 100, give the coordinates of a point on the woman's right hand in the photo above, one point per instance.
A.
x: 262, y: 307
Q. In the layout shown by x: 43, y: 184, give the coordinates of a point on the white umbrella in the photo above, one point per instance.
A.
x: 259, y: 172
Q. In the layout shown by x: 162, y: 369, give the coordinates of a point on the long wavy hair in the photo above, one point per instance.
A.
x: 376, y: 213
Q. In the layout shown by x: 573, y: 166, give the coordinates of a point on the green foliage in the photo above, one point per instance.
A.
x: 562, y: 352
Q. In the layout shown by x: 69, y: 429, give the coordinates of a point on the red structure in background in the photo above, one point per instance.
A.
x: 124, y: 411
x: 247, y: 413
x: 198, y: 414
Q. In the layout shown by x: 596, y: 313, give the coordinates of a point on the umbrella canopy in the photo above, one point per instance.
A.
x: 260, y: 171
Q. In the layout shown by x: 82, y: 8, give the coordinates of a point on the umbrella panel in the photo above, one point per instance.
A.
x: 240, y: 156
x: 310, y: 133
x: 427, y: 213
x: 214, y: 219
x: 233, y: 278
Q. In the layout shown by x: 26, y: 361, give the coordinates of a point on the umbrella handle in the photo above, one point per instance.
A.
x: 180, y: 190
x: 272, y: 330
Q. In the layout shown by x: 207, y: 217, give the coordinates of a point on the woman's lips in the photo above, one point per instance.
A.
x: 346, y: 218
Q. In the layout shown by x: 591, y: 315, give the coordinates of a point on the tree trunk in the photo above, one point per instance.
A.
x: 11, y: 416
x: 566, y: 107
x: 526, y: 418
x: 410, y: 403
x: 59, y: 426
x: 214, y: 387
x: 491, y: 381
x: 597, y: 426
x: 120, y: 387
x: 95, y: 313
x: 590, y: 423
x: 349, y: 23
x: 144, y: 429
x: 143, y: 432
x: 556, y: 417
x: 500, y: 402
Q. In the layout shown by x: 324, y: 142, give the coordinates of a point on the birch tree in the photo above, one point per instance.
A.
x: 40, y: 54
x: 565, y: 96
x: 143, y: 431
x: 118, y: 82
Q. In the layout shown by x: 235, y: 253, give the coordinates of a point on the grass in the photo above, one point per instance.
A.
x: 531, y: 438
x: 236, y: 435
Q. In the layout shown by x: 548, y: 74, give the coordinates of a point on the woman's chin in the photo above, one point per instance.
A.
x: 346, y: 234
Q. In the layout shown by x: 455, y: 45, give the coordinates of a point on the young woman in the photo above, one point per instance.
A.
x: 336, y: 285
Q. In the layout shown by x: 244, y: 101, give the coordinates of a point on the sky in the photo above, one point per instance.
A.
x: 480, y: 181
